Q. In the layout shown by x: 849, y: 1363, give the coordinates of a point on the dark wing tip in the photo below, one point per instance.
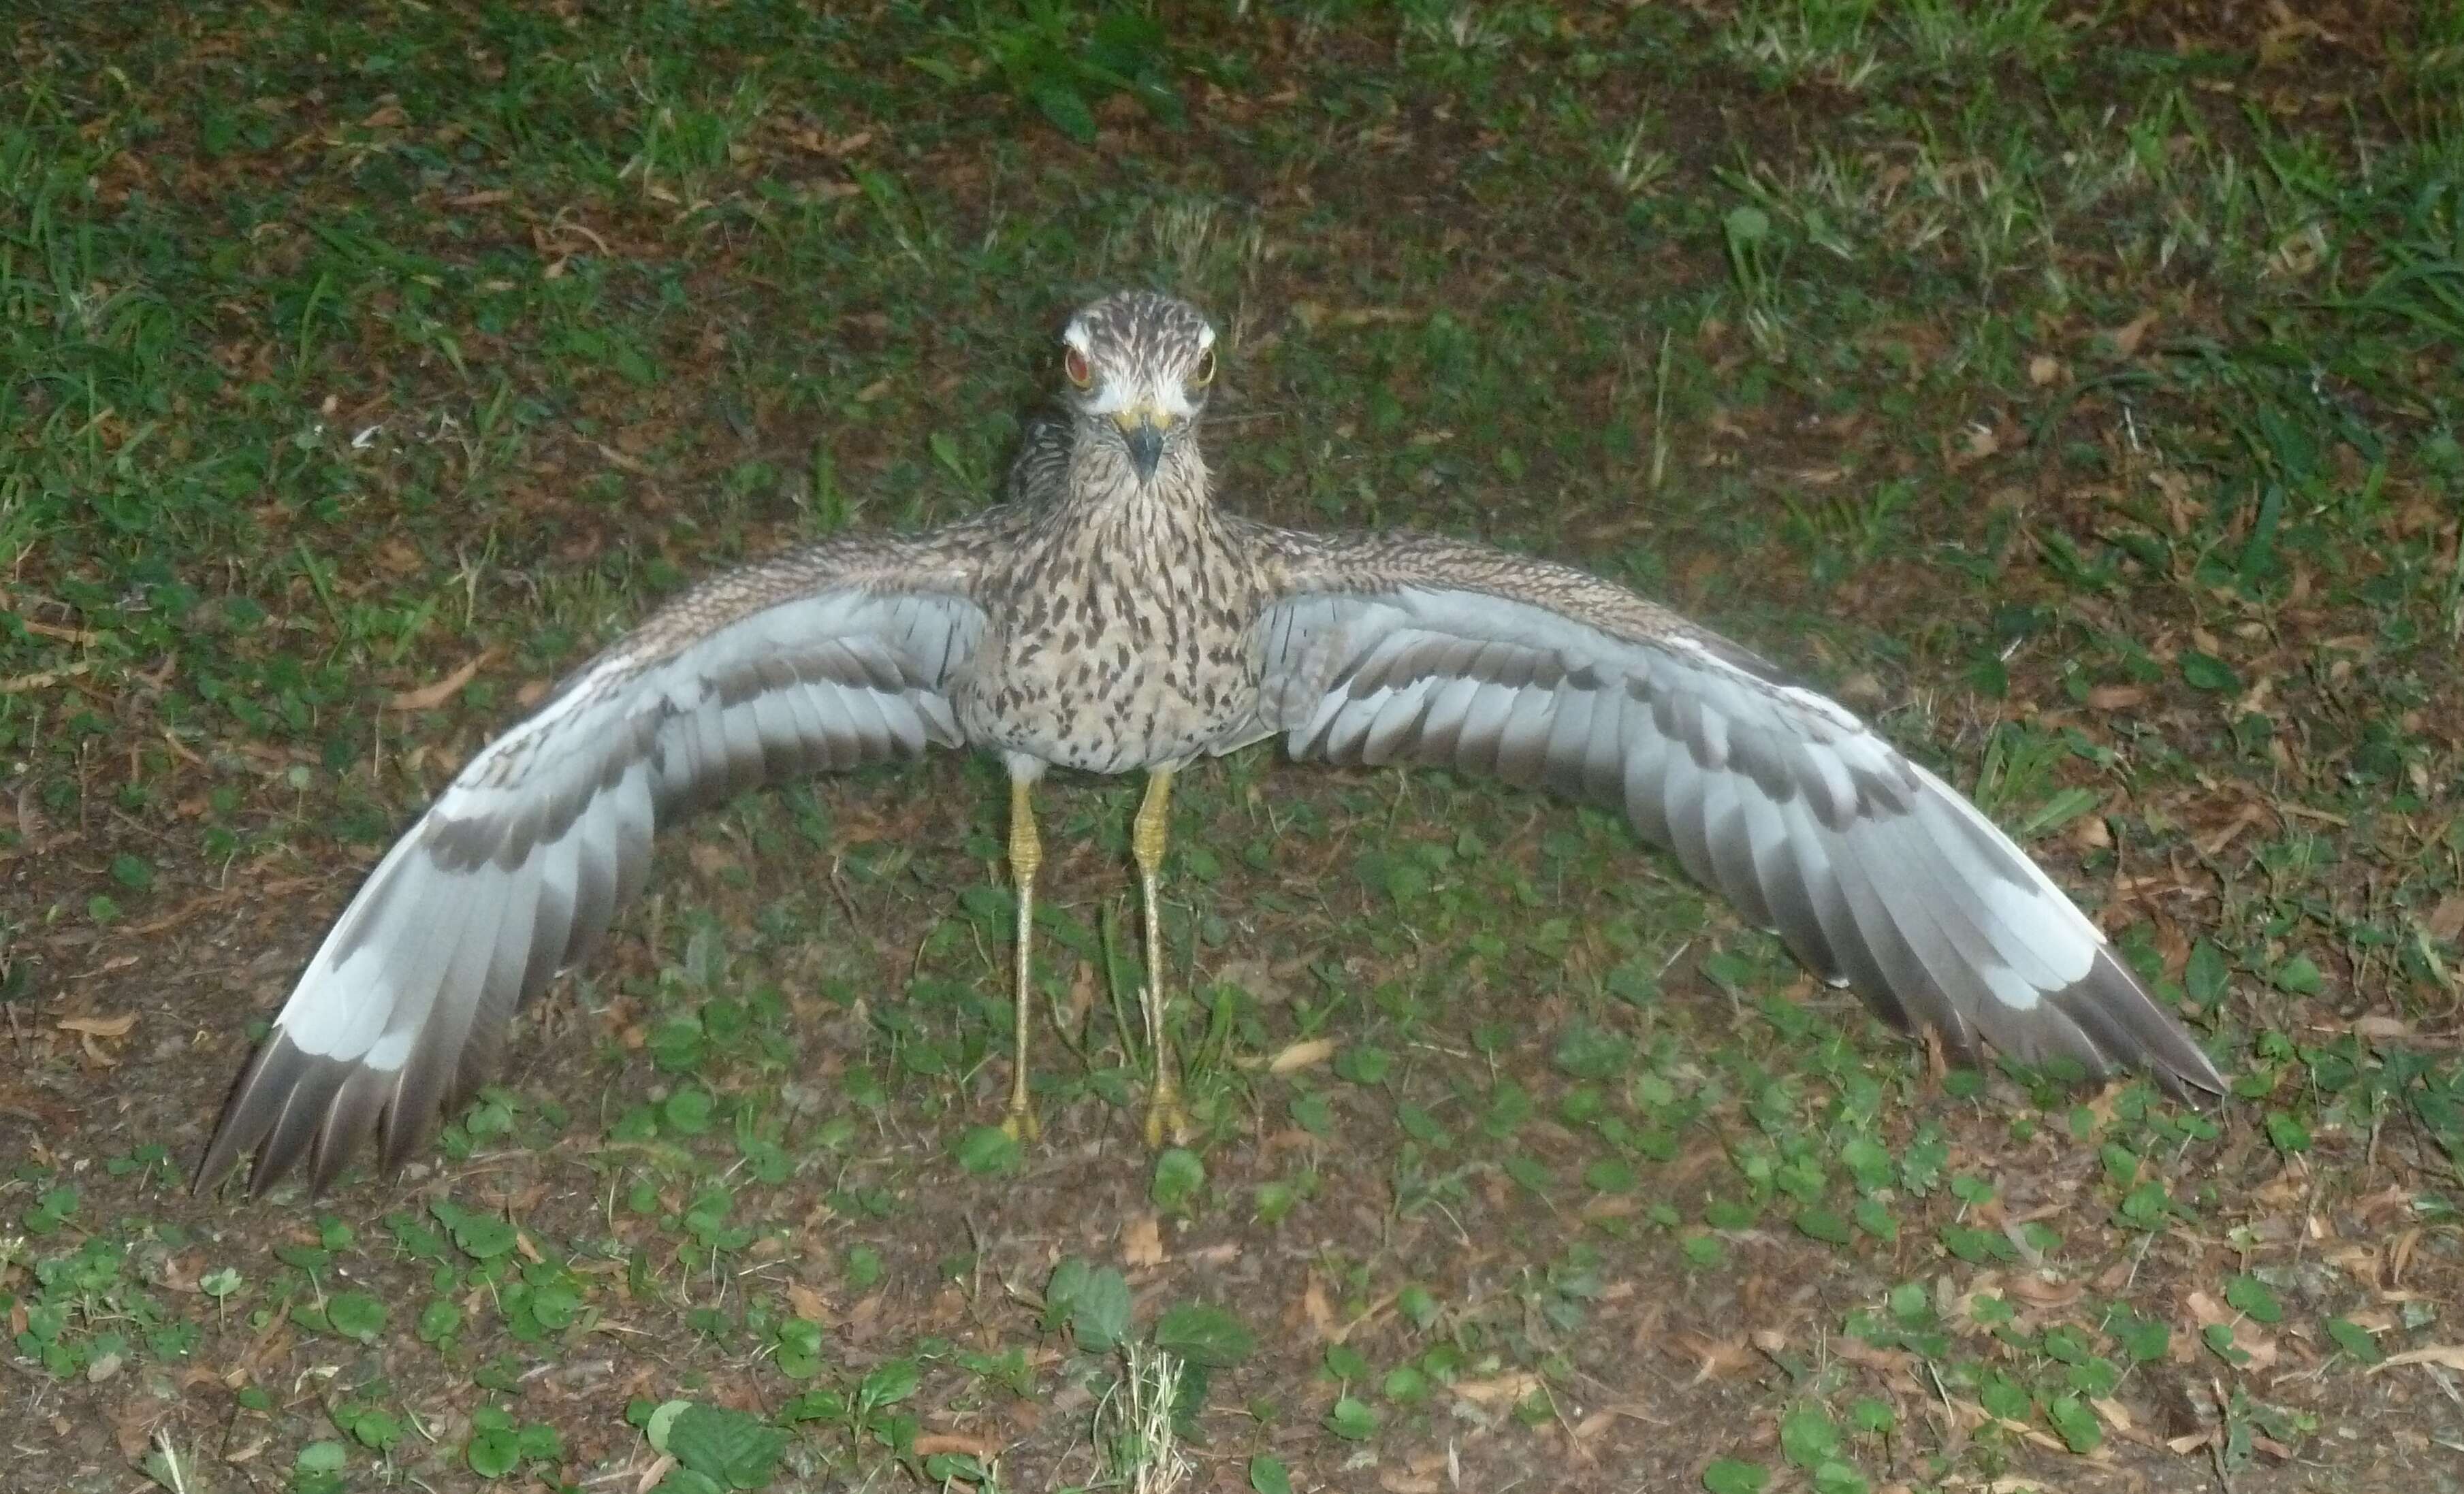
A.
x: 2107, y: 1025
x: 2117, y: 1012
x: 248, y: 1110
x: 285, y: 1105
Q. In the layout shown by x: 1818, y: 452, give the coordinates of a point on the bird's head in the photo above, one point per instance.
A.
x: 1139, y: 365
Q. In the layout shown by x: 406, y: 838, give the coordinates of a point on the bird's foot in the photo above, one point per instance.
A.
x: 1020, y: 1124
x: 1166, y: 1119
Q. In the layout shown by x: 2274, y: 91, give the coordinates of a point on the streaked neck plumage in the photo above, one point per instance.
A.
x: 1103, y: 487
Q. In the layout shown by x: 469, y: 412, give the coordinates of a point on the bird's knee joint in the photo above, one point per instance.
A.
x: 1146, y: 842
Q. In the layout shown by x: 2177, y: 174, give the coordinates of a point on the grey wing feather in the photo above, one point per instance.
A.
x: 1873, y: 871
x: 827, y: 659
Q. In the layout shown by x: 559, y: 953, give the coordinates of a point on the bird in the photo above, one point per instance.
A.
x: 1107, y: 615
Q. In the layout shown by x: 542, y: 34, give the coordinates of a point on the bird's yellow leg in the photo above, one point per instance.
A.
x: 1152, y: 834
x: 1025, y: 855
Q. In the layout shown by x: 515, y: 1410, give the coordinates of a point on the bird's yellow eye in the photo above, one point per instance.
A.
x: 1204, y: 374
x: 1073, y: 363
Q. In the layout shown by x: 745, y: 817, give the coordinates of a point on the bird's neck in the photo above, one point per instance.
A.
x: 1103, y: 487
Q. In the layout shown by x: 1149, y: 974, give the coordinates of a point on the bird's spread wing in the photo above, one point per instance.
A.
x: 1404, y: 649
x: 826, y: 658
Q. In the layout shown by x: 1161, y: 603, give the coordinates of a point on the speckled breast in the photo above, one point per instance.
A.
x: 1107, y: 652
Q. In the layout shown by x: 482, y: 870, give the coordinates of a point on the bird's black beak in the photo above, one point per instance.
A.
x: 1142, y: 432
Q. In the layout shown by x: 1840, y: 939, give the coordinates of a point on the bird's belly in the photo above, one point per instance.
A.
x: 1105, y: 710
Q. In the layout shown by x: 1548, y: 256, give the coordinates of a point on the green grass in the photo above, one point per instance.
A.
x: 2076, y: 399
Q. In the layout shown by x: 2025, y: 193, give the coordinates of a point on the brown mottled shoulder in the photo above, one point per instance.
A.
x: 945, y: 561
x: 1369, y: 562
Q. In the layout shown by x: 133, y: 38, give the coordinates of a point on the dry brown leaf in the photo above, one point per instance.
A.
x: 1714, y: 1358
x: 2447, y: 1356
x: 623, y: 461
x: 396, y: 558
x: 1856, y: 1351
x: 973, y: 1446
x: 428, y: 698
x: 864, y: 1318
x: 133, y: 1429
x: 41, y: 679
x: 2400, y: 1255
x: 1319, y: 1311
x: 807, y: 1304
x: 2127, y: 337
x: 1142, y: 1243
x: 1503, y: 1389
x: 98, y: 1026
x: 1302, y: 1055
x: 182, y: 1273
x: 2041, y: 1293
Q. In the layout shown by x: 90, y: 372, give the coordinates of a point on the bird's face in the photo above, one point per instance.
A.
x: 1139, y: 365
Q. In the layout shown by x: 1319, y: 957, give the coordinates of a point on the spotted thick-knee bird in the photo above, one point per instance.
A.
x: 1109, y: 616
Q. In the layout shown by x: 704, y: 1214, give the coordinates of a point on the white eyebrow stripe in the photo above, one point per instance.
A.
x: 1168, y: 395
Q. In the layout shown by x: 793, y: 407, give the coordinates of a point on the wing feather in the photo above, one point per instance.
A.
x: 1684, y: 789
x: 1796, y: 910
x: 1491, y: 706
x: 519, y: 867
x: 1873, y: 871
x: 1450, y: 701
x: 1566, y: 752
x: 1730, y: 834
x: 1397, y: 722
x: 1523, y: 737
x: 1648, y: 761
